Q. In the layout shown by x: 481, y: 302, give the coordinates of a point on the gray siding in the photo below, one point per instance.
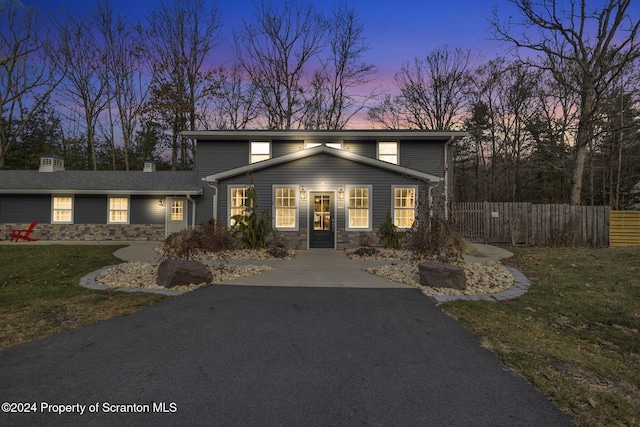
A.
x: 310, y: 172
x: 423, y: 156
x: 90, y: 209
x: 280, y: 148
x: 25, y: 209
x: 147, y: 210
x: 364, y: 148
x: 218, y: 156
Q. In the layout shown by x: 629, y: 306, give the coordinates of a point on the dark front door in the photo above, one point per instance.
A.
x: 322, y: 222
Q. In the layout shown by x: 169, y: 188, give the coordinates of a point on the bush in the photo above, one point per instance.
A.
x: 390, y: 237
x: 206, y: 237
x: 278, y: 247
x: 252, y: 230
x: 439, y: 240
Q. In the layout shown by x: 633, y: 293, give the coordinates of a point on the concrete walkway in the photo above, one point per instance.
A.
x: 332, y: 268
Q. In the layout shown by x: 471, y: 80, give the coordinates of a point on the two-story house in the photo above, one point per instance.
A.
x: 325, y: 189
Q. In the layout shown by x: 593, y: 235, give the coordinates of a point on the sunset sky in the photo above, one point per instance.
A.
x: 397, y: 30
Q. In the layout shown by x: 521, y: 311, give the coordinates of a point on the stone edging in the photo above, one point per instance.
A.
x: 89, y: 281
x: 520, y: 287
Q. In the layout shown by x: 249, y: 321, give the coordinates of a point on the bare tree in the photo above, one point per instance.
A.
x: 125, y: 60
x: 183, y: 36
x: 334, y: 99
x: 276, y: 49
x: 79, y: 53
x: 26, y: 78
x: 433, y: 90
x: 593, y: 44
x: 387, y: 114
x: 237, y: 101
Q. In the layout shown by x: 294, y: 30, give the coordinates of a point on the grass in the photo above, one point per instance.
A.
x: 575, y: 334
x: 40, y: 294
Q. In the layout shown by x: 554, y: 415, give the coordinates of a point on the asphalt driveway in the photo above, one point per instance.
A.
x: 248, y: 356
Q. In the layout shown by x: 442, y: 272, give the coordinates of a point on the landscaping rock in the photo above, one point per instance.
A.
x: 176, y: 272
x: 439, y: 275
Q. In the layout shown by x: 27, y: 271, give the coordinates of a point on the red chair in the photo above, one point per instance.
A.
x: 23, y: 234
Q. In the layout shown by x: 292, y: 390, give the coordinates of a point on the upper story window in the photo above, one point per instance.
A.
x: 260, y: 150
x: 388, y: 151
x: 62, y: 210
x: 118, y: 210
x: 336, y: 145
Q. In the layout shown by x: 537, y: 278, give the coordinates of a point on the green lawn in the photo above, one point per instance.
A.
x: 40, y: 294
x: 575, y: 334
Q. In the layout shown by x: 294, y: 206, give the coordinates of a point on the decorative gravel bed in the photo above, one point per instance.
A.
x: 143, y: 274
x: 482, y: 277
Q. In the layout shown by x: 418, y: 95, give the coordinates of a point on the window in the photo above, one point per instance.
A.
x: 404, y: 206
x: 237, y: 202
x: 260, y: 151
x: 336, y: 145
x: 388, y: 152
x: 359, y: 207
x: 118, y: 210
x: 62, y: 210
x: 285, y: 207
x: 177, y: 210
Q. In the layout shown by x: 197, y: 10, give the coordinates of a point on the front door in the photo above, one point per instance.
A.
x: 176, y: 214
x: 322, y: 221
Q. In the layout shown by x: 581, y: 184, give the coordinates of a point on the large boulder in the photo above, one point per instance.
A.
x: 439, y: 275
x: 176, y: 272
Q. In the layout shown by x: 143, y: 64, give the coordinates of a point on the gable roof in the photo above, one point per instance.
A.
x: 99, y: 182
x: 316, y: 151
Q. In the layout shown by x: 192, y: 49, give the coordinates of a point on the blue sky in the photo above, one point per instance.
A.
x: 397, y: 30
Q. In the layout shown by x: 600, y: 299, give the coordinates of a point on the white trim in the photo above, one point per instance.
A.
x: 393, y: 202
x: 118, y: 196
x: 296, y: 189
x: 53, y: 209
x: 369, y: 208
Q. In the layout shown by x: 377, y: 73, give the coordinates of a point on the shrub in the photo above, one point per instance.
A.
x: 278, y: 247
x: 437, y: 240
x: 252, y: 230
x: 206, y: 237
x: 388, y: 234
x: 432, y: 236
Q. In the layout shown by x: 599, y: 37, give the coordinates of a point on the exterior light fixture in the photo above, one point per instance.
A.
x: 160, y: 202
x: 303, y: 193
x: 341, y: 193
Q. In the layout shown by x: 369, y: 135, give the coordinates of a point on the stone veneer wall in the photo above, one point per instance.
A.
x: 155, y: 232
x: 346, y: 239
x: 90, y: 232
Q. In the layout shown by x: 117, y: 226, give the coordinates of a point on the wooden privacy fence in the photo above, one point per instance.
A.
x: 625, y: 228
x: 526, y: 223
